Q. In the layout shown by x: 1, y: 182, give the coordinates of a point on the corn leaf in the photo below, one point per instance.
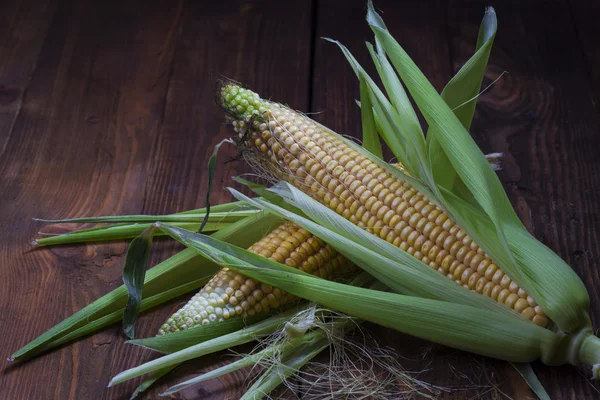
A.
x: 461, y: 96
x: 525, y: 370
x: 566, y: 308
x: 395, y: 268
x: 147, y: 303
x: 246, y: 361
x: 370, y: 138
x: 464, y: 327
x: 382, y: 106
x: 184, y: 267
x: 245, y: 335
x: 134, y: 273
x: 229, y: 212
x: 407, y: 123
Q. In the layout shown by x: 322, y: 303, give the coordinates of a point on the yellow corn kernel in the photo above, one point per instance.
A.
x: 410, y: 215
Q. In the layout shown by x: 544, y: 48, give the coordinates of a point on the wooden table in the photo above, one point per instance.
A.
x: 108, y: 109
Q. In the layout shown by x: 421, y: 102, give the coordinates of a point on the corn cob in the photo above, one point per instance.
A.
x: 230, y: 293
x: 286, y: 145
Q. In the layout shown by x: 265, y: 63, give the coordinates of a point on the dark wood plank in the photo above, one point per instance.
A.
x: 81, y: 145
x: 22, y: 33
x: 585, y: 18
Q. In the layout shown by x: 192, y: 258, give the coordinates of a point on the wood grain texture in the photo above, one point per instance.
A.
x: 109, y: 109
x: 119, y: 118
x: 585, y: 19
x: 22, y: 33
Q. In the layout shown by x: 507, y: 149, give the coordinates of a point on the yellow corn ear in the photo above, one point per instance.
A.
x: 230, y: 293
x: 288, y: 146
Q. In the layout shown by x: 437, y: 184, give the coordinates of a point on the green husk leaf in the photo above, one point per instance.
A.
x: 232, y: 215
x: 134, y: 273
x: 565, y: 307
x: 397, y: 269
x: 150, y: 380
x: 245, y: 335
x: 291, y: 363
x: 246, y: 361
x: 532, y: 380
x: 468, y: 328
x: 382, y: 107
x: 407, y: 123
x: 306, y: 341
x: 147, y: 303
x: 370, y: 138
x: 117, y: 232
x: 176, y: 341
x: 184, y: 267
x: 461, y: 96
x: 212, y: 164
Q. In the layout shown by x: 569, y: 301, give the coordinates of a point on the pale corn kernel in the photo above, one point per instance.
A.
x: 229, y: 293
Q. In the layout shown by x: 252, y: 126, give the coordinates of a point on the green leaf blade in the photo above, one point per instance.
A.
x: 370, y: 137
x: 456, y: 325
x: 134, y: 274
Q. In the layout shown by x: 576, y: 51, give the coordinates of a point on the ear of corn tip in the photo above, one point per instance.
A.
x: 358, y: 189
x: 229, y: 293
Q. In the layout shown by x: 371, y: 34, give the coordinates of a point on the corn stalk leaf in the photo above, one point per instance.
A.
x: 150, y: 380
x: 394, y: 267
x: 461, y: 96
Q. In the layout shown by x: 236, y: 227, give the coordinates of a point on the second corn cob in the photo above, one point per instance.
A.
x: 229, y: 293
x: 286, y: 145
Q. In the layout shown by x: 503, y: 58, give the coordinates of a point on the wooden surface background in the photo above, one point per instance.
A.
x: 107, y: 108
